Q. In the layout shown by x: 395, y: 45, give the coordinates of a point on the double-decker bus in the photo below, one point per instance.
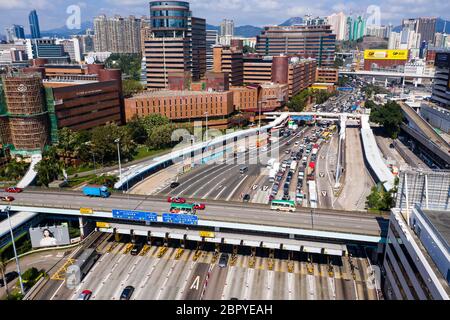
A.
x: 283, y: 205
x: 183, y: 208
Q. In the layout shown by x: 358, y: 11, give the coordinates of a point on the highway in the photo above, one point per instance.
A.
x: 198, y: 277
x: 326, y: 220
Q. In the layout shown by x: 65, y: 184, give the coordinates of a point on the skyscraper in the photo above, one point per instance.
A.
x: 212, y: 39
x: 338, y: 25
x: 426, y: 27
x: 34, y: 25
x: 14, y: 32
x: 175, y: 43
x: 226, y: 32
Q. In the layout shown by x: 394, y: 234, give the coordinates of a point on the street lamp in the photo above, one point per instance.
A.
x: 8, y: 207
x: 89, y: 143
x: 206, y: 133
x: 118, y: 155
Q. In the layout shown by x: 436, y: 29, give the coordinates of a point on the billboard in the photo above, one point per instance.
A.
x: 378, y: 54
x: 49, y: 236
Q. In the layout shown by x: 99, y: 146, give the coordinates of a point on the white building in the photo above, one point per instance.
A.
x: 73, y: 48
x: 98, y: 56
x: 416, y: 264
x: 338, y: 24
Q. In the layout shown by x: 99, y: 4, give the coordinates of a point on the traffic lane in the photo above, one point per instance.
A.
x: 223, y: 213
x: 176, y: 281
x: 216, y: 283
x: 196, y: 282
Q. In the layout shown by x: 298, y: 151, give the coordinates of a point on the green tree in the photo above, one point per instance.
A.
x: 104, y: 146
x: 131, y: 87
x: 129, y: 64
x: 389, y: 116
x: 380, y: 199
x: 338, y: 62
x: 50, y: 167
x: 3, y: 272
x: 298, y: 102
x: 138, y: 130
x: 14, y: 170
x: 105, y: 180
x: 369, y: 104
x: 248, y: 49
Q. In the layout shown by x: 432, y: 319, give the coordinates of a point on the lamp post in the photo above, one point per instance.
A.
x: 14, y: 248
x: 206, y: 133
x: 118, y: 155
x: 89, y: 143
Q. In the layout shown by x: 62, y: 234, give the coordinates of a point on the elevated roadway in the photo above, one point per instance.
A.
x: 318, y: 224
x: 389, y: 74
x: 423, y: 132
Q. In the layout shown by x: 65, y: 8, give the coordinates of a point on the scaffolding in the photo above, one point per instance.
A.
x: 25, y: 111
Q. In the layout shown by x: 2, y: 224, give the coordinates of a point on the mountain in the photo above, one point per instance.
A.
x: 246, y: 31
x: 440, y: 23
x: 292, y: 21
x: 65, y: 32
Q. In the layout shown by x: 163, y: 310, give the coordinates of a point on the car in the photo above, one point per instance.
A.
x: 7, y: 199
x: 176, y: 200
x: 136, y: 249
x: 13, y: 190
x: 223, y: 261
x: 287, y: 151
x: 174, y: 184
x: 126, y: 293
x: 246, y: 198
x: 85, y: 295
x: 271, y: 197
x: 199, y: 206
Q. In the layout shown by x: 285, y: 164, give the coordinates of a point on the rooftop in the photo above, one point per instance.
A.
x: 175, y: 93
x: 441, y: 222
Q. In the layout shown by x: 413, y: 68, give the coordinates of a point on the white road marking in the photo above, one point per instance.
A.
x: 235, y: 189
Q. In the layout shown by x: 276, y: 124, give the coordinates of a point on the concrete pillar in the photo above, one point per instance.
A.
x: 385, y: 83
x: 86, y: 227
x: 80, y: 222
x: 373, y: 80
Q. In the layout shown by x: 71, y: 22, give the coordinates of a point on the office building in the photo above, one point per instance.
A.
x: 47, y: 49
x: 262, y: 98
x: 176, y: 42
x: 378, y: 31
x: 72, y: 48
x: 337, y: 21
x: 186, y: 106
x: 34, y: 25
x: 327, y: 75
x: 257, y: 69
x: 229, y: 60
x: 441, y: 84
x: 356, y: 28
x: 317, y: 42
x: 405, y: 40
x: 15, y: 32
x: 86, y: 42
x: 212, y: 39
x: 117, y: 34
x: 426, y: 27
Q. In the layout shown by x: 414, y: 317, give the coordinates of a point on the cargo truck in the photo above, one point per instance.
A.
x: 272, y: 175
x: 96, y: 191
x: 293, y: 166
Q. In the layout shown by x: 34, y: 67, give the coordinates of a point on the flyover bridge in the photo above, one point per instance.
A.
x: 323, y: 226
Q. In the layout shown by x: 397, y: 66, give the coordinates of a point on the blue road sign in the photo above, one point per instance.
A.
x: 180, y: 218
x: 135, y: 215
x: 302, y: 118
x: 345, y: 89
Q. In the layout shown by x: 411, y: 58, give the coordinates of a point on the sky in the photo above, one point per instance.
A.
x: 52, y: 13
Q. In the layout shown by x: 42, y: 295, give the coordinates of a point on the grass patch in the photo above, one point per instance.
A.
x: 144, y: 152
x: 74, y: 170
x: 73, y: 182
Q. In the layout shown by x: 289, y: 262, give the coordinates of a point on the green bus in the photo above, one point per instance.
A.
x: 183, y: 208
x: 283, y: 205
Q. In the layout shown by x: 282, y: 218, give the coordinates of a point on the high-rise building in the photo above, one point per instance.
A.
x: 338, y: 25
x: 212, y: 39
x: 176, y: 42
x: 14, y: 33
x: 426, y: 27
x: 47, y: 49
x: 226, y: 32
x: 356, y: 28
x: 117, y: 34
x: 72, y: 48
x: 34, y: 25
x: 229, y: 60
x: 377, y: 31
x: 86, y: 42
x: 316, y: 42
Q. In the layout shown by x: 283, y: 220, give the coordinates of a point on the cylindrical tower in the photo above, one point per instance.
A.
x: 280, y: 69
x: 28, y: 122
x: 169, y: 18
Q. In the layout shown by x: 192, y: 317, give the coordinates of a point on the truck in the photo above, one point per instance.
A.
x: 293, y: 166
x: 276, y: 166
x: 96, y: 191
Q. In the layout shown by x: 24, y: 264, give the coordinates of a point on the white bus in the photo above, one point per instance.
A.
x: 283, y: 205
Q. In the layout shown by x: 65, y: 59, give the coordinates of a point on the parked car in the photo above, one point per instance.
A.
x: 176, y: 200
x: 13, y: 190
x: 85, y: 295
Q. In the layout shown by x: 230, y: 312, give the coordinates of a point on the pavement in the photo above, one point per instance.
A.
x: 326, y: 167
x: 198, y: 277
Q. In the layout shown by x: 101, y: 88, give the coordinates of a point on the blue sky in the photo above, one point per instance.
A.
x: 52, y: 13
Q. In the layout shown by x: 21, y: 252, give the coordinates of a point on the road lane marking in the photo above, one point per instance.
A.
x: 235, y: 189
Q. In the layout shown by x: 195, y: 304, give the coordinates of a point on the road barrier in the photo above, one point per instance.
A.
x: 162, y: 251
x: 144, y: 250
x: 197, y: 255
x: 179, y: 253
x: 128, y: 248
